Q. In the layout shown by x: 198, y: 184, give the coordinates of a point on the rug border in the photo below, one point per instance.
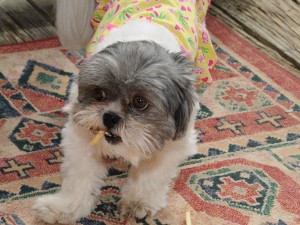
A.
x: 218, y: 28
x: 30, y: 45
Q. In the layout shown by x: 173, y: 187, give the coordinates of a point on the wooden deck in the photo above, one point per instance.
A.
x: 271, y: 25
x: 26, y: 20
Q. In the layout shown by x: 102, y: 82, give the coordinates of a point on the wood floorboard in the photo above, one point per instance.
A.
x: 45, y: 9
x: 268, y: 50
x: 273, y: 26
x: 20, y: 22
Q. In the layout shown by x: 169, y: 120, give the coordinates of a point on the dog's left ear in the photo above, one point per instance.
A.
x: 185, y: 92
x: 73, y: 95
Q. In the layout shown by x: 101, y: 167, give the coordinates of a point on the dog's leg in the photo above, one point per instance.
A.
x: 73, y: 22
x: 148, y: 184
x: 83, y: 174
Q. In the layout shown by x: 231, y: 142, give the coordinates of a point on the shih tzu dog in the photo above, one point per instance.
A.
x: 137, y: 85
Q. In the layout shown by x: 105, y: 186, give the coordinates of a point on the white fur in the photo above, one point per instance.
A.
x: 149, y: 182
x: 83, y: 174
x: 139, y: 31
x: 83, y: 171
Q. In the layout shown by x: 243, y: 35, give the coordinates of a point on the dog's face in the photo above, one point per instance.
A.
x: 139, y: 93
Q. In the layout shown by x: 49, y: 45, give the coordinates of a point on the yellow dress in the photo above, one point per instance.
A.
x: 184, y: 18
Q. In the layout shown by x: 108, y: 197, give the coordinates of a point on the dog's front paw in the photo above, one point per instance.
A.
x: 47, y: 209
x: 138, y: 209
x: 54, y: 209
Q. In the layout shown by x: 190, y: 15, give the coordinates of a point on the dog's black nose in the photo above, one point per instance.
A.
x: 110, y: 119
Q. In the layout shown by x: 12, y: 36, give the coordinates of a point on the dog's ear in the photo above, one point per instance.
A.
x: 72, y: 95
x: 185, y: 92
x: 182, y: 115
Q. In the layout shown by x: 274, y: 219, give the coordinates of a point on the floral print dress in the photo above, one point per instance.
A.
x: 184, y: 18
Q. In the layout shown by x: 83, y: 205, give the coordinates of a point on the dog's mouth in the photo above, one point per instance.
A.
x: 109, y: 136
x: 112, y: 138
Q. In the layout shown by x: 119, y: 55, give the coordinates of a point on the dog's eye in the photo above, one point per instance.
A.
x: 99, y: 94
x: 140, y: 103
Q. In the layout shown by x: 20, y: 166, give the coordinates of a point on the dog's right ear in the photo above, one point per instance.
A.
x: 182, y: 115
x: 186, y: 94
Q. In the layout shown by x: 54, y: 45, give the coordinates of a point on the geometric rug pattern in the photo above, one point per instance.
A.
x: 246, y: 171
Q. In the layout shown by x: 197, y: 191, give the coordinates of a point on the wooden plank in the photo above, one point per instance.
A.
x: 273, y: 54
x: 274, y: 23
x: 7, y: 34
x: 45, y: 8
x: 19, y: 22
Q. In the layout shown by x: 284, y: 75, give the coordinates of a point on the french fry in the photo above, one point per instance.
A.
x: 188, y: 217
x: 97, y: 137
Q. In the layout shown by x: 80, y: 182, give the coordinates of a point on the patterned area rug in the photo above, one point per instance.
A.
x: 247, y: 170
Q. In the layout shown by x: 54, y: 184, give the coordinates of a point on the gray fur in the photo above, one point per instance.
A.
x: 143, y: 68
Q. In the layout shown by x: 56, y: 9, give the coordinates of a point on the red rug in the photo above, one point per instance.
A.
x: 247, y: 170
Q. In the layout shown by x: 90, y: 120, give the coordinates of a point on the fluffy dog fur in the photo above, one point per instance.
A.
x: 138, y: 88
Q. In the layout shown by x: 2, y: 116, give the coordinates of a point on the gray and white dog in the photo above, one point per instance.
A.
x: 139, y: 89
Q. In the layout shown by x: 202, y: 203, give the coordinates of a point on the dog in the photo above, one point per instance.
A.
x: 138, y: 86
